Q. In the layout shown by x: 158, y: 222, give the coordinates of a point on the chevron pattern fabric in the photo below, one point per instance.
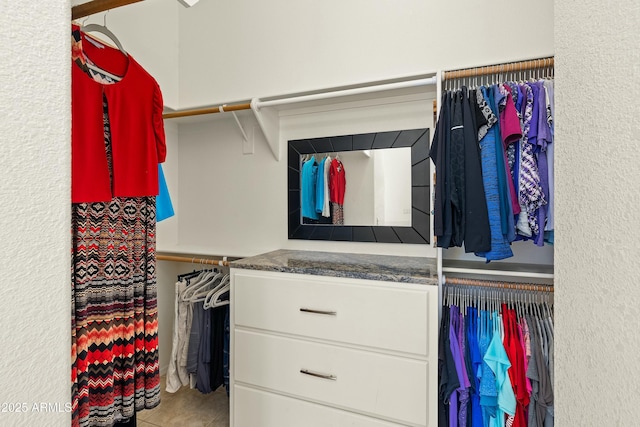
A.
x: 114, y: 330
x: 115, y: 370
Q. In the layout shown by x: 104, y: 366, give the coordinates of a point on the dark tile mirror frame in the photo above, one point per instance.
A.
x: 417, y: 233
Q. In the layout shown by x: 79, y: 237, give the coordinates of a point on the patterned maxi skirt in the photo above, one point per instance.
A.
x: 115, y: 369
x: 114, y: 326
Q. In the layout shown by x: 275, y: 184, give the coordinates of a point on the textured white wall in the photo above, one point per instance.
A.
x: 35, y: 216
x: 598, y: 197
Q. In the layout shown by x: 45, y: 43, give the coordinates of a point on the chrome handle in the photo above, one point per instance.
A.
x: 326, y: 313
x: 319, y: 375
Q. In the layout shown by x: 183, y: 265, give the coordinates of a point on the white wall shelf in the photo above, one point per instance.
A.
x: 267, y: 112
x: 536, y: 272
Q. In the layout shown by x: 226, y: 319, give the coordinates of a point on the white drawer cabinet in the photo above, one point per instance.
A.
x: 365, y: 381
x: 264, y: 409
x: 388, y: 317
x: 325, y: 351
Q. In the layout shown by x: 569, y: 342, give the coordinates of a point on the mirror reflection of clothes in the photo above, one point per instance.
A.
x: 308, y: 183
x: 337, y: 188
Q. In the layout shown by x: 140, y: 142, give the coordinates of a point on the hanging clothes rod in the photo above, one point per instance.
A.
x: 346, y: 92
x: 511, y: 67
x: 97, y: 6
x: 208, y: 110
x: 219, y: 262
x: 499, y: 285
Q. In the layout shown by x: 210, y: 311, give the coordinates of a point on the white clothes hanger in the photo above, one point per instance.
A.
x: 204, y: 275
x: 104, y: 30
x: 206, y: 288
x: 200, y: 295
x: 211, y: 299
x: 107, y: 32
x: 194, y: 284
x: 203, y: 281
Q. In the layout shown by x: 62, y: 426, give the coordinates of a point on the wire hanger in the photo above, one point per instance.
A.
x: 104, y: 30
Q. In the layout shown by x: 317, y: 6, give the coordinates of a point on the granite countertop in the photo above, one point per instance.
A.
x: 358, y: 266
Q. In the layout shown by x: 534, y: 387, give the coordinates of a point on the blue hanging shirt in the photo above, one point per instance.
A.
x: 164, y: 207
x: 308, y: 182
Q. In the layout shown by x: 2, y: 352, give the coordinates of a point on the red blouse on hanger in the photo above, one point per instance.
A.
x: 337, y: 182
x: 137, y: 130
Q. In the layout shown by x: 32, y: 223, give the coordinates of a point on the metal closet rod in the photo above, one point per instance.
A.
x: 219, y: 262
x: 511, y: 67
x: 500, y: 285
x: 97, y: 6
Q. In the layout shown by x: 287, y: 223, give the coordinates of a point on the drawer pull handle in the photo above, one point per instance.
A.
x: 318, y: 375
x: 326, y: 313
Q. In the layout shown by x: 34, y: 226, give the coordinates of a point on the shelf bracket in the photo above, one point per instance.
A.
x: 269, y: 122
x: 247, y: 143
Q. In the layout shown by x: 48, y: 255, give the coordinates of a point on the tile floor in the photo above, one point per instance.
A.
x: 188, y: 408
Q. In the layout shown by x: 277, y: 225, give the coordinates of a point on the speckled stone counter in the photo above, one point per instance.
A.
x: 358, y: 266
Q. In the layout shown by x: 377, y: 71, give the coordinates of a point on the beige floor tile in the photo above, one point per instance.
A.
x: 223, y: 421
x: 222, y: 411
x: 144, y: 415
x: 189, y: 408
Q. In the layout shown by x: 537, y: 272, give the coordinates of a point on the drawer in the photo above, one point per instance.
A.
x: 372, y: 383
x: 256, y: 408
x: 375, y: 315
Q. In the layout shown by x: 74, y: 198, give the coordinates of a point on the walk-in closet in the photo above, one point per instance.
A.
x: 294, y: 198
x: 285, y: 214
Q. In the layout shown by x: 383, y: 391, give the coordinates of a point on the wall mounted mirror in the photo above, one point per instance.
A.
x: 386, y: 189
